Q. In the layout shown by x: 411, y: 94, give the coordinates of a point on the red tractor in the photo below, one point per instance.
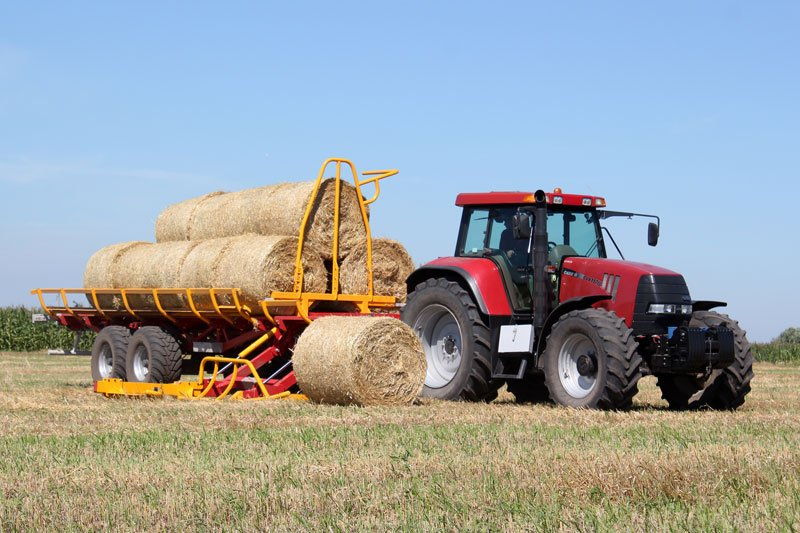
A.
x: 531, y: 300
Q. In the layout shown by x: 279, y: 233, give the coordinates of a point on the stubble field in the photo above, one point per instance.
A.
x: 71, y: 459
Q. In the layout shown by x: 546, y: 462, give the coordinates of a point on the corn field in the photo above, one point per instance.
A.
x: 775, y: 352
x: 19, y: 334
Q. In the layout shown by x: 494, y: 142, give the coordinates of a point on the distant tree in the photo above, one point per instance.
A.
x: 790, y: 336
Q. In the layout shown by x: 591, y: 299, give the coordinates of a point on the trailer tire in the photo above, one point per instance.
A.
x: 108, y: 353
x: 154, y: 356
x: 591, y: 361
x: 530, y: 389
x: 456, y: 342
x: 721, y: 389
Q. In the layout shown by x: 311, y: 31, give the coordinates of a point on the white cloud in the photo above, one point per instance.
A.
x: 28, y: 171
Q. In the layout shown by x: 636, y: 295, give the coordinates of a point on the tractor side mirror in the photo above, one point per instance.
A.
x: 522, y: 226
x: 652, y: 234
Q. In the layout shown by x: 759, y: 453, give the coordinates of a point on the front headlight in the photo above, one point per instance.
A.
x: 670, y: 309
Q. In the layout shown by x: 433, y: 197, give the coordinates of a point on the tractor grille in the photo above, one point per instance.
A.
x: 658, y: 290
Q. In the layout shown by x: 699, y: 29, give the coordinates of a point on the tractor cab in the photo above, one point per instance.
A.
x: 498, y: 226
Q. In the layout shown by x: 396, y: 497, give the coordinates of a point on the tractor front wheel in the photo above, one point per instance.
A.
x: 720, y: 389
x: 591, y: 361
x: 455, y: 339
x: 154, y: 356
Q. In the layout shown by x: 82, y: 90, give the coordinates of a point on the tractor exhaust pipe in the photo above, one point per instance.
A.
x: 541, y: 282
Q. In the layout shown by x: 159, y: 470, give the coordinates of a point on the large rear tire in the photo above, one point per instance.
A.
x: 455, y: 339
x: 154, y: 356
x: 108, y: 353
x: 720, y: 389
x: 591, y: 361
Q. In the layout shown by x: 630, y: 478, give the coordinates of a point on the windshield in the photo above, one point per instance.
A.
x: 578, y: 232
x: 572, y: 232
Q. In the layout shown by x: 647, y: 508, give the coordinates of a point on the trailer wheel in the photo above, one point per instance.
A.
x: 591, y: 361
x: 721, y: 389
x: 154, y: 356
x: 530, y: 389
x: 108, y: 353
x: 455, y: 339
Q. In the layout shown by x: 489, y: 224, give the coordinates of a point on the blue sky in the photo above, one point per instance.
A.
x: 110, y: 111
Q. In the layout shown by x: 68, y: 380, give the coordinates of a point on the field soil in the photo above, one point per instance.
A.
x: 72, y: 459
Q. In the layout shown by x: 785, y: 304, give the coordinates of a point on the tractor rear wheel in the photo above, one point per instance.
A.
x: 530, y: 389
x: 154, y: 356
x: 591, y: 361
x: 108, y: 353
x: 720, y: 389
x: 455, y: 339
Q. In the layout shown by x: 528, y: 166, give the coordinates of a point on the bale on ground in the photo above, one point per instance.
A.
x: 271, y: 210
x: 359, y: 361
x: 391, y: 266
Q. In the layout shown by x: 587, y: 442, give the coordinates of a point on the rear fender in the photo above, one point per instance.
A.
x: 479, y: 276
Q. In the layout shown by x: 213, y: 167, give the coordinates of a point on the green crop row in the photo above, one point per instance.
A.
x: 19, y: 334
x: 775, y: 352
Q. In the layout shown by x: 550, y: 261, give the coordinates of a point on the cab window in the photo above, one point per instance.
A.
x: 487, y: 229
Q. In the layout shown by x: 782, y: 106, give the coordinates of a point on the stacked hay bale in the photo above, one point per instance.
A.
x: 271, y: 210
x: 256, y: 264
x: 391, y: 266
x: 248, y: 239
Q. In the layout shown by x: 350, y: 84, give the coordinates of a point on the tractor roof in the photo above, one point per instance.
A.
x: 522, y: 198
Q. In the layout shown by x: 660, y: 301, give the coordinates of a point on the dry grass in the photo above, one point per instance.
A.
x: 73, y: 460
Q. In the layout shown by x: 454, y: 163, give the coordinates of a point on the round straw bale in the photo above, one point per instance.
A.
x: 359, y: 361
x: 391, y: 266
x: 256, y: 264
x: 100, y: 272
x: 155, y: 266
x: 259, y: 265
x: 174, y: 223
x: 271, y: 210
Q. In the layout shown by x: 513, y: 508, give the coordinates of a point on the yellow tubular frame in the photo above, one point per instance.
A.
x: 219, y: 311
x: 302, y: 300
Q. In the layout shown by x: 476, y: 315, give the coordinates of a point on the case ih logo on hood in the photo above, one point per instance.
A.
x: 609, y: 284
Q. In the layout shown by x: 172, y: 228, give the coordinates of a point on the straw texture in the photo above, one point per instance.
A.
x: 359, y: 361
x: 271, y: 210
x: 256, y: 264
x: 100, y: 272
x: 391, y: 266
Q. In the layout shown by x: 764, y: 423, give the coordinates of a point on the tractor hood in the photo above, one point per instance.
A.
x: 633, y: 287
